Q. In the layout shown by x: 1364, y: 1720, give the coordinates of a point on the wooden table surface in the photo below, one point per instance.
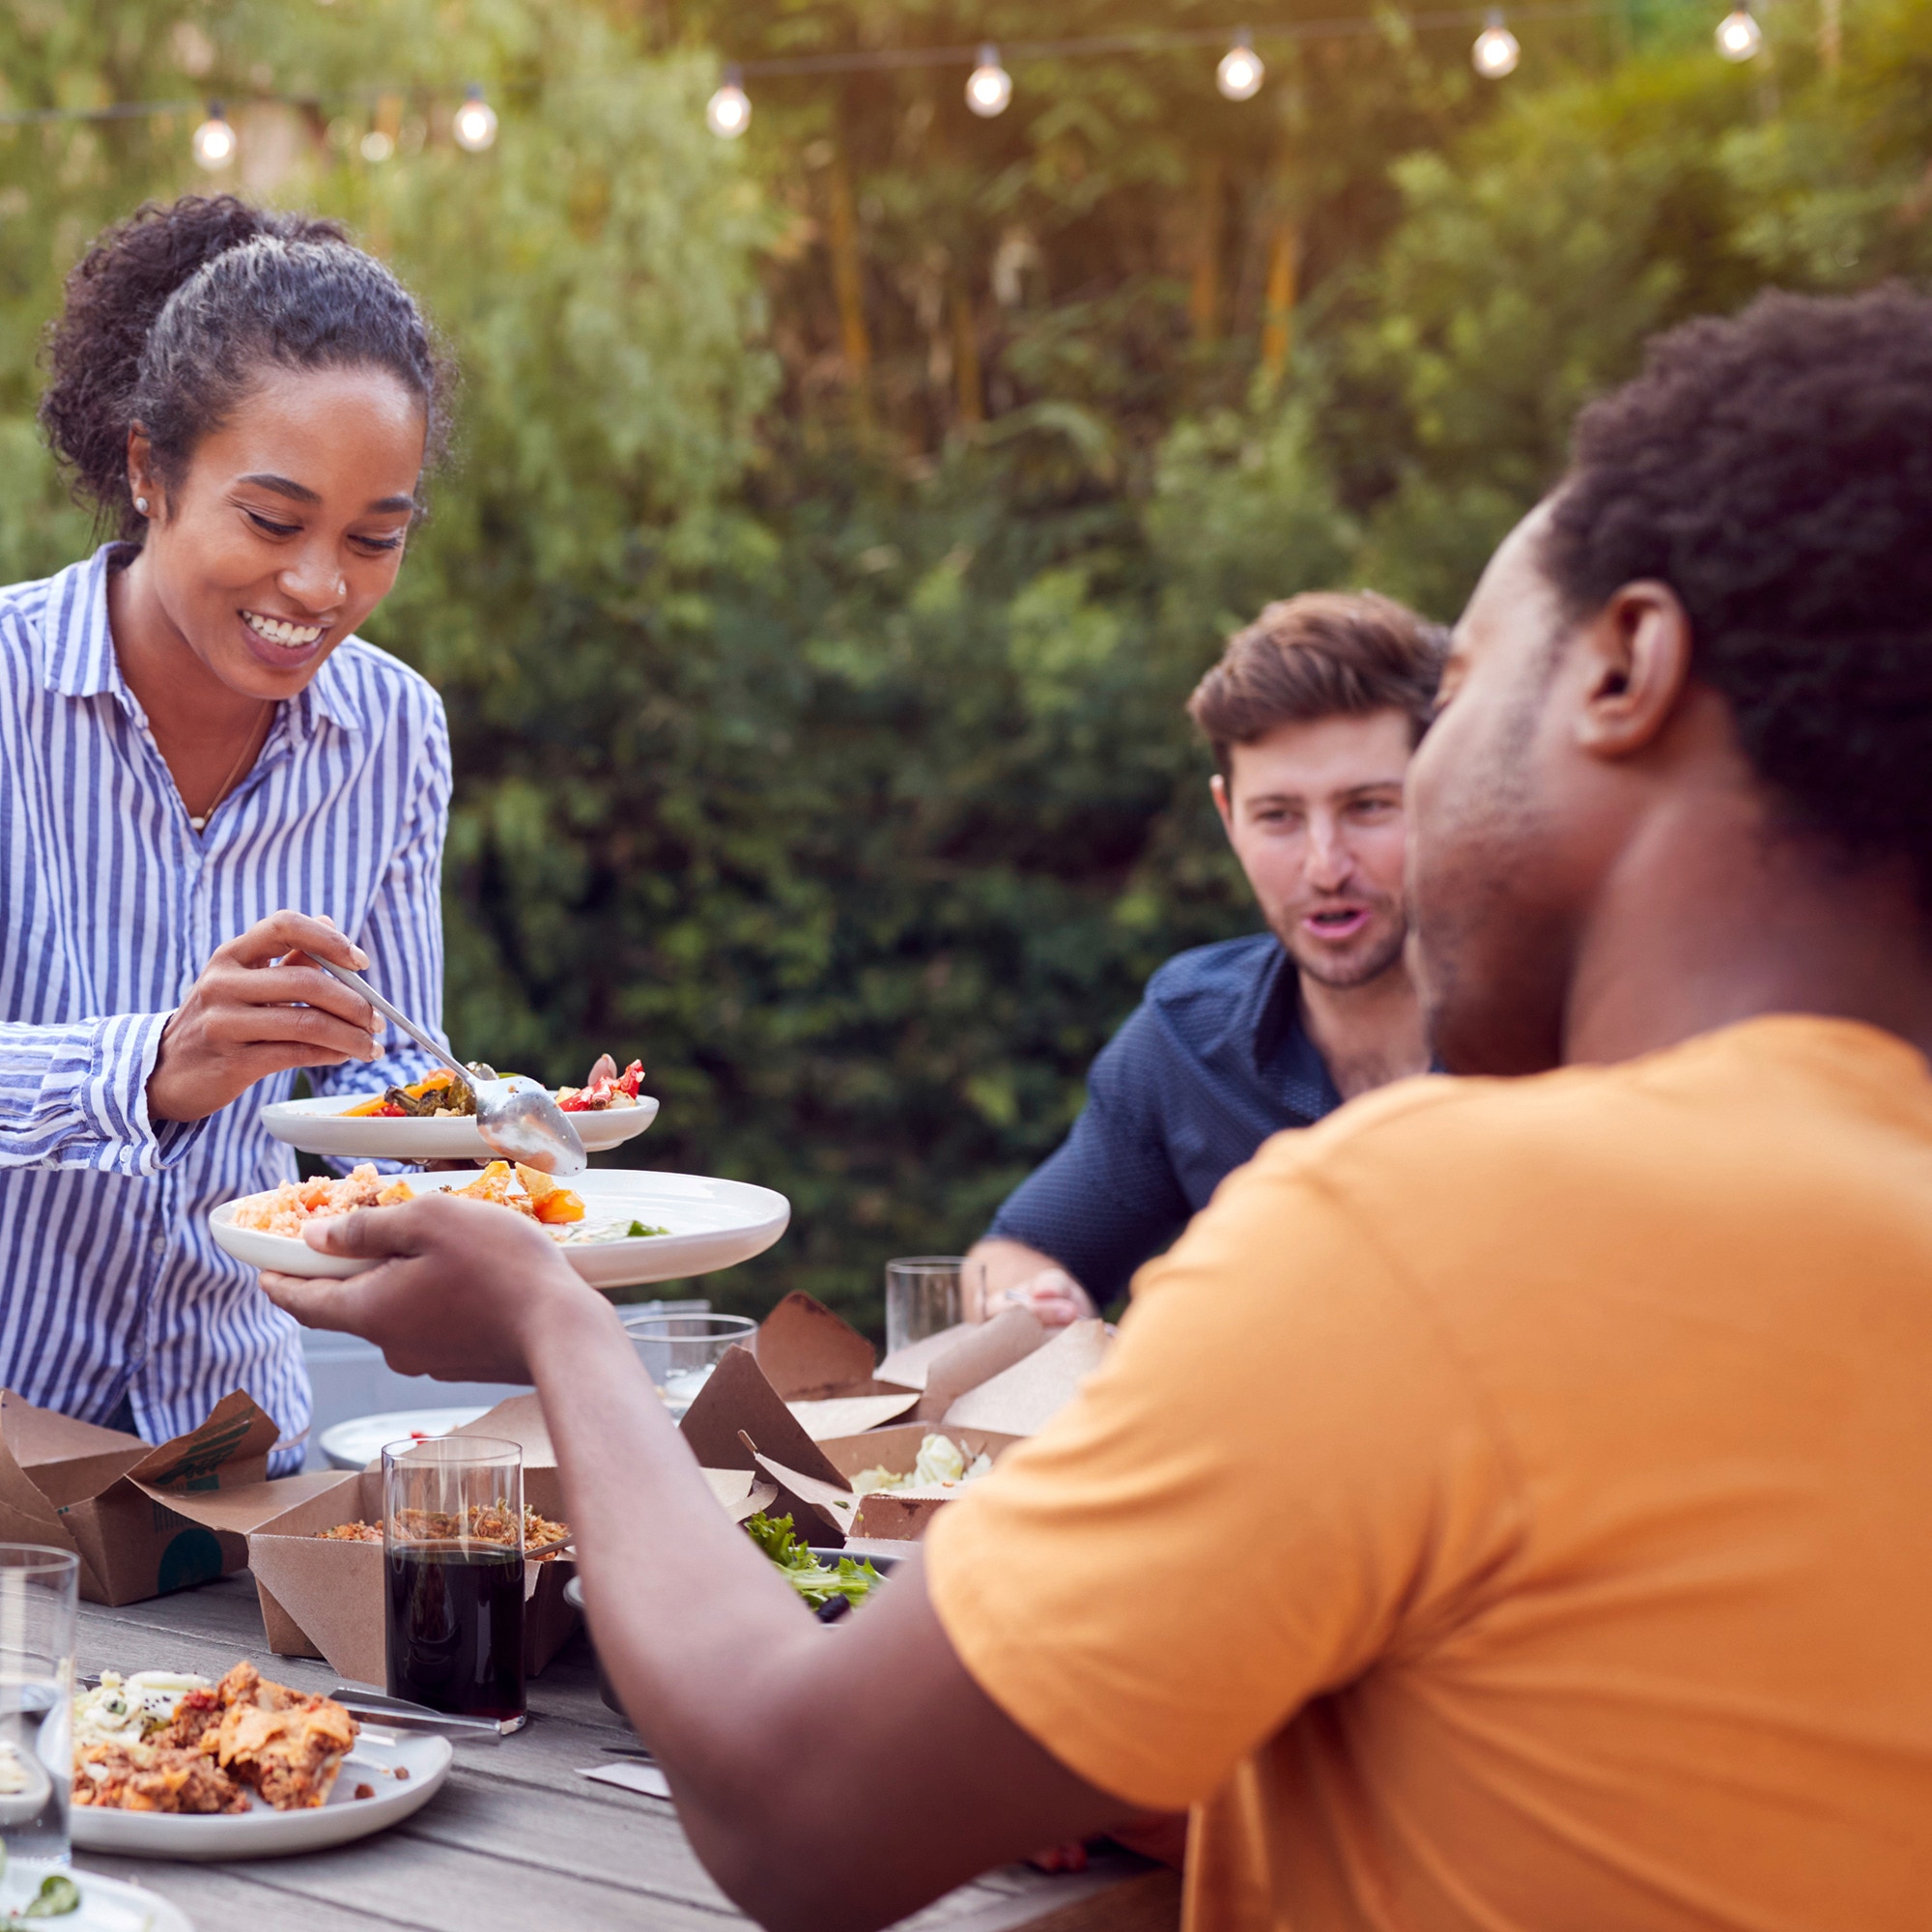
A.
x: 517, y: 1839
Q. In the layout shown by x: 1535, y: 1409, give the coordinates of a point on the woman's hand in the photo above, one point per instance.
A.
x: 458, y: 1290
x: 260, y: 1007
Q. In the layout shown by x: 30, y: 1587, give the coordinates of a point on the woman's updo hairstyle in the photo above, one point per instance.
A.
x: 171, y: 314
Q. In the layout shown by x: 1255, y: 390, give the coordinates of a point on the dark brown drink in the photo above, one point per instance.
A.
x: 456, y: 1628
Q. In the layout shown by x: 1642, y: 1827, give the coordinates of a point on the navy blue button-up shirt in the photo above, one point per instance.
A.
x: 1212, y: 1060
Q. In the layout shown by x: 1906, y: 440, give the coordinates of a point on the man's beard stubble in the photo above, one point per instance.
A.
x: 1343, y: 976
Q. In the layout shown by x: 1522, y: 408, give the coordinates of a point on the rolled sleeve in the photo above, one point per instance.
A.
x: 76, y: 1096
x: 1107, y: 1198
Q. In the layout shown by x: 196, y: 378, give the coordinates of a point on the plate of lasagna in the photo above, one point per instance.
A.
x: 618, y: 1227
x: 172, y: 1766
x: 435, y: 1118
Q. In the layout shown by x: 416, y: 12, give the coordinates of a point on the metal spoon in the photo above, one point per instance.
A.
x: 517, y: 1116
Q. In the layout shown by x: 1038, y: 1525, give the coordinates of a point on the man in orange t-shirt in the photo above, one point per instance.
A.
x: 1510, y: 1503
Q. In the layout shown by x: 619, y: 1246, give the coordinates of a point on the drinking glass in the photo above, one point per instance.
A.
x: 37, y: 1597
x: 453, y: 1558
x: 925, y: 1293
x: 679, y: 1351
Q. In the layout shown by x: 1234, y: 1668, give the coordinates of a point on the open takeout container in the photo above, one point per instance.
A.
x: 144, y: 1520
x: 985, y: 1387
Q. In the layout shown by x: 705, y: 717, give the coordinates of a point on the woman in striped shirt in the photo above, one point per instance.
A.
x: 206, y: 782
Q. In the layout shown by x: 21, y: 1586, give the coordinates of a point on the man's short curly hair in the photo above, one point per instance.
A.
x: 1774, y: 468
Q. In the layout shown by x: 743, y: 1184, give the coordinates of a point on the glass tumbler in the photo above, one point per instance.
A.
x: 679, y: 1351
x: 453, y: 1564
x: 925, y: 1293
x: 37, y: 1598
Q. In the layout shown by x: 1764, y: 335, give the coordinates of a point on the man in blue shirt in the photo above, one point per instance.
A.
x: 1312, y: 714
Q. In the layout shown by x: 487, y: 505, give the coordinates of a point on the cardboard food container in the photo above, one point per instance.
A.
x: 985, y: 1387
x: 325, y: 1599
x: 144, y: 1520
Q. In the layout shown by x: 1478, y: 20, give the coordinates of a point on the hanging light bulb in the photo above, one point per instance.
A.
x: 729, y: 111
x: 1739, y: 36
x: 215, y: 142
x: 990, y: 87
x: 475, y: 124
x: 1496, y: 52
x: 1241, y: 73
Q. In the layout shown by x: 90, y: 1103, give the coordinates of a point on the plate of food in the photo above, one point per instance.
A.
x: 435, y: 1118
x: 618, y: 1227
x: 172, y: 1766
x: 357, y: 1443
x: 83, y: 1901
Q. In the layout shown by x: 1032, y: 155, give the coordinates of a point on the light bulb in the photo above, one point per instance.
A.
x: 729, y: 111
x: 215, y: 142
x: 1739, y: 36
x: 475, y: 122
x: 1496, y: 52
x: 1241, y: 73
x: 990, y: 87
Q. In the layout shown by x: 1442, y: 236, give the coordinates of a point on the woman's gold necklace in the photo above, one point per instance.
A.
x: 248, y: 746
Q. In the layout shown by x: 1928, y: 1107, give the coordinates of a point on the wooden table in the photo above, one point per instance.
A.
x: 516, y: 1839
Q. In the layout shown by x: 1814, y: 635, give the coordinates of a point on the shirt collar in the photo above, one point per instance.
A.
x: 79, y: 646
x: 1273, y: 1007
x: 80, y: 660
x: 1280, y: 1044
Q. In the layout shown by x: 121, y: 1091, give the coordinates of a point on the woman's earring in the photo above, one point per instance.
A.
x: 141, y: 504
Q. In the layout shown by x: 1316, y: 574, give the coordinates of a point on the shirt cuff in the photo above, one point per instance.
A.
x: 108, y: 1090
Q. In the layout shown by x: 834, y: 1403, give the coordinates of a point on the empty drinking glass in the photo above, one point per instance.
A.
x: 925, y: 1293
x: 37, y: 1598
x: 679, y: 1351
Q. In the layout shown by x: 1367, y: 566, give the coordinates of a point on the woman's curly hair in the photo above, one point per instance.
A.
x: 171, y: 315
x: 1774, y: 468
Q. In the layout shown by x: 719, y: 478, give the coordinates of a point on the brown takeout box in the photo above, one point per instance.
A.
x: 985, y: 1387
x: 144, y: 1520
x: 325, y: 1599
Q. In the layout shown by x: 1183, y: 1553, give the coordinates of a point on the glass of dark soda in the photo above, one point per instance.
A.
x: 453, y: 1563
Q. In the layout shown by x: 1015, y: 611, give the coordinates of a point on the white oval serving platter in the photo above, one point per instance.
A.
x: 261, y: 1833
x: 324, y: 1128
x: 714, y: 1224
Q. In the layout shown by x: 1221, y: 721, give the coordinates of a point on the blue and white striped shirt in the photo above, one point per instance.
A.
x: 110, y: 905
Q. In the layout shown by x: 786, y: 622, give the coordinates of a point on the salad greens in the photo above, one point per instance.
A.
x: 638, y: 1232
x: 815, y: 1581
x: 57, y: 1896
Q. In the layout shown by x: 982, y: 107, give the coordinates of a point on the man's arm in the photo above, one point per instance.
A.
x: 1106, y: 1199
x: 828, y: 1777
x: 1013, y: 1272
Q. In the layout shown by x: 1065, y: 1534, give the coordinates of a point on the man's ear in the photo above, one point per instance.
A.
x: 1635, y: 663
x: 1218, y: 786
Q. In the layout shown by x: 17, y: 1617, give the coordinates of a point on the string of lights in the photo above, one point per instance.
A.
x: 1238, y: 76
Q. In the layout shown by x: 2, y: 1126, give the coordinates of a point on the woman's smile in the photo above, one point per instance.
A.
x: 282, y: 643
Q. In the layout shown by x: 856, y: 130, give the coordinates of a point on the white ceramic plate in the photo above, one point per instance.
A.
x: 320, y: 1127
x: 261, y: 1833
x: 106, y: 1904
x: 355, y: 1444
x: 714, y: 1224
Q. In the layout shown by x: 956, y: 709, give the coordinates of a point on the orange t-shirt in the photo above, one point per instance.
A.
x: 1510, y: 1506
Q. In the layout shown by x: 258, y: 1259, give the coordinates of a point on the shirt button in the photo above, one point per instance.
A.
x: 159, y: 1244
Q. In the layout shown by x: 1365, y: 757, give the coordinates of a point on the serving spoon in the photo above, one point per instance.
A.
x: 516, y: 1115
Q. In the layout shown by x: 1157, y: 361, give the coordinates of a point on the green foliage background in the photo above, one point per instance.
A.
x: 820, y: 740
